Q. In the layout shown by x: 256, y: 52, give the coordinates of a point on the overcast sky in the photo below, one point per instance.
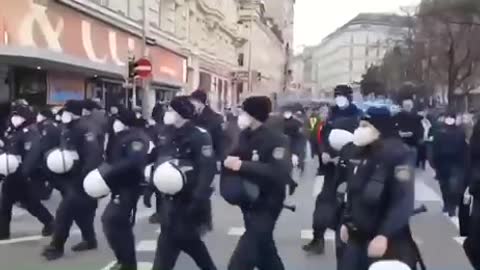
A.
x: 315, y: 19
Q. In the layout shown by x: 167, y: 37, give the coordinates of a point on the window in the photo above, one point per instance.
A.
x: 241, y: 58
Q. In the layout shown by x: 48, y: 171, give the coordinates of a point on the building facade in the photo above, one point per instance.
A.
x: 54, y: 50
x: 264, y: 53
x: 345, y: 55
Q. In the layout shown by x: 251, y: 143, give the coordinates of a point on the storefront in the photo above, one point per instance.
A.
x: 60, y: 53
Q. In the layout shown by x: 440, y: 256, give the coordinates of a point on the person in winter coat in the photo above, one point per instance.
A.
x: 449, y: 154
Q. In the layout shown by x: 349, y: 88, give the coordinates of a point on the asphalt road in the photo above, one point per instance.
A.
x: 436, y: 234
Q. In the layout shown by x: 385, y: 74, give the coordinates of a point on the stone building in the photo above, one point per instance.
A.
x: 54, y: 50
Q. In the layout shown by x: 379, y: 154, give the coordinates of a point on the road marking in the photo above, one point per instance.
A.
x: 455, y: 222
x: 308, y: 235
x: 144, y: 265
x: 424, y: 193
x: 459, y: 240
x: 110, y: 265
x: 147, y: 245
x: 318, y: 185
x: 236, y: 231
x: 140, y: 265
x: 144, y: 214
x: 21, y: 239
x: 31, y: 238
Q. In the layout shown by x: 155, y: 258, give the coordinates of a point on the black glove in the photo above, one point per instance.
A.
x: 147, y: 197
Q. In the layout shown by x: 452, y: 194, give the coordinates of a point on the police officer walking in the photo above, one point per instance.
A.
x: 263, y: 160
x: 450, y: 159
x: 79, y: 152
x: 206, y: 118
x: 325, y: 202
x: 185, y: 182
x: 17, y: 186
x: 122, y: 175
x: 380, y: 197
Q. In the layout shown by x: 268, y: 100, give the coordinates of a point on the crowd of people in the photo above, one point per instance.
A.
x: 367, y: 163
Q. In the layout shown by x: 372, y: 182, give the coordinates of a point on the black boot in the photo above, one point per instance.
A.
x: 154, y: 218
x: 47, y: 229
x: 52, y: 253
x: 84, y: 246
x: 316, y: 246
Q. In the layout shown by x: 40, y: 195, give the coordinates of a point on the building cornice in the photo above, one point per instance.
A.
x: 123, y: 23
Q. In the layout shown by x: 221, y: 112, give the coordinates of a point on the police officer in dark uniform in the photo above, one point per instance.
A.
x: 79, y: 152
x: 263, y: 159
x: 449, y: 151
x: 324, y: 213
x: 185, y: 216
x: 50, y: 136
x: 206, y: 118
x: 161, y: 135
x: 122, y: 175
x: 409, y: 125
x: 17, y: 183
x: 380, y: 198
x: 293, y: 128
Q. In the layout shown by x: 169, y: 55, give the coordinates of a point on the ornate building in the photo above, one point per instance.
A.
x: 190, y: 43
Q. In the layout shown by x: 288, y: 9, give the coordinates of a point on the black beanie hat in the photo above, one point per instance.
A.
x: 381, y: 119
x: 183, y: 106
x: 199, y: 95
x: 24, y: 111
x: 91, y: 105
x: 258, y: 107
x: 343, y: 90
x: 127, y: 117
x: 47, y: 113
x: 74, y: 106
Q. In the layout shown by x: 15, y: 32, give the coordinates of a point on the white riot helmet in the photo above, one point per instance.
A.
x: 168, y: 178
x: 338, y: 138
x: 61, y: 161
x: 389, y: 265
x: 8, y: 164
x: 95, y: 184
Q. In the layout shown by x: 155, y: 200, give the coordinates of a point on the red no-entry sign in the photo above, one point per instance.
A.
x: 143, y: 68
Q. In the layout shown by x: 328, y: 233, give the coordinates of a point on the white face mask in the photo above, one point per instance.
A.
x: 66, y: 117
x: 118, y: 126
x: 364, y: 136
x: 450, y: 121
x: 114, y: 110
x: 170, y: 118
x: 17, y: 120
x: 287, y: 115
x: 407, y: 105
x: 342, y: 101
x: 40, y: 118
x: 244, y: 121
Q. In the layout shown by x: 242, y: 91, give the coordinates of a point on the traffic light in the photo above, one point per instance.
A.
x: 132, y: 64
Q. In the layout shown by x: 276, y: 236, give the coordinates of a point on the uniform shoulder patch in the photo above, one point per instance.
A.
x: 137, y: 146
x: 28, y: 146
x: 89, y: 137
x: 278, y: 153
x: 207, y: 150
x: 404, y: 173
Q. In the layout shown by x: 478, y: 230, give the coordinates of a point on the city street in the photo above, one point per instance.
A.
x: 435, y: 233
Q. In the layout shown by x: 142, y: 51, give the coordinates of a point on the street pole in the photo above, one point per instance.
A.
x: 148, y: 98
x: 250, y: 35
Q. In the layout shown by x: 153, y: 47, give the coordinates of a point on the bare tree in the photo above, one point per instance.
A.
x: 449, y: 30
